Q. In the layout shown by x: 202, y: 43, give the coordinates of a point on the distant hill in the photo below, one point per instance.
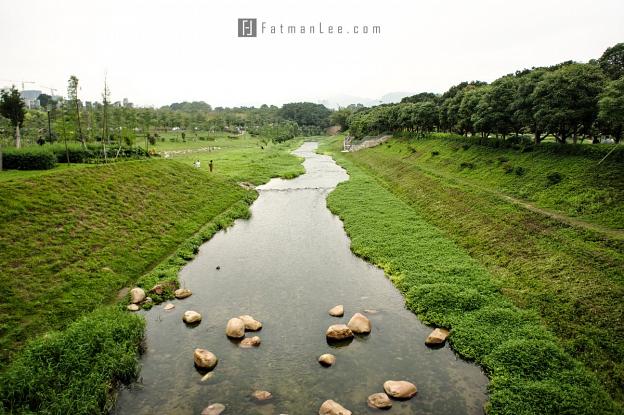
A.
x: 346, y: 100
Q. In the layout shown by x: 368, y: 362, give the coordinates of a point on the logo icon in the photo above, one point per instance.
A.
x: 247, y: 27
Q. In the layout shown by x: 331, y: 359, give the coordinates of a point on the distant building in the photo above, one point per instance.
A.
x: 30, y: 97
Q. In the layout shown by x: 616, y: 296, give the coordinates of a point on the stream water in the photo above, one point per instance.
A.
x: 286, y: 266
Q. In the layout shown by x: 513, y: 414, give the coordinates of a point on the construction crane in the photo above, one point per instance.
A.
x: 22, y: 82
x: 52, y: 90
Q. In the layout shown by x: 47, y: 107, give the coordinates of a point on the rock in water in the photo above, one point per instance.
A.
x: 191, y: 317
x: 379, y: 401
x: 169, y: 306
x: 251, y: 324
x: 137, y: 295
x: 235, y: 328
x: 205, y: 359
x: 330, y: 407
x: 262, y: 395
x: 337, y: 311
x: 339, y: 332
x: 214, y: 409
x: 437, y: 337
x: 327, y: 359
x: 181, y: 293
x: 133, y: 307
x: 359, y: 324
x: 250, y: 342
x: 399, y: 389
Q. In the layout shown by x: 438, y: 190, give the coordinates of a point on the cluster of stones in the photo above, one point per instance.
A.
x: 236, y: 328
x: 138, y: 296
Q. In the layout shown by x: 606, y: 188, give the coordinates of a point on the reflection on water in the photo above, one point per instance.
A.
x: 287, y: 266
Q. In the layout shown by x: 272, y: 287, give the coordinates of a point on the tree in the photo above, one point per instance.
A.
x: 306, y: 113
x: 612, y: 61
x: 340, y: 117
x: 12, y: 107
x: 72, y: 95
x: 524, y: 104
x: 567, y: 100
x: 611, y: 108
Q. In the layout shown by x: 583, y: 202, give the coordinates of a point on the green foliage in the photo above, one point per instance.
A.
x: 306, y: 114
x: 554, y: 178
x: 612, y: 61
x: 30, y: 158
x: 75, y: 371
x: 12, y: 106
x: 611, y: 107
x: 388, y: 225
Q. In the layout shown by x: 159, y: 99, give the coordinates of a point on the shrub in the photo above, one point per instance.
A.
x: 74, y: 371
x: 508, y: 168
x: 30, y: 158
x: 435, y: 153
x: 554, y: 178
x: 465, y: 146
x: 520, y: 171
x: 466, y: 165
x: 502, y: 159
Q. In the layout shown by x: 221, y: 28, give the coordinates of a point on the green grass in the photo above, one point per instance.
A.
x: 589, y: 191
x: 75, y: 371
x: 73, y: 237
x: 520, y: 298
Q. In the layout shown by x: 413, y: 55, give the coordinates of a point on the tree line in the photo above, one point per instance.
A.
x: 569, y: 101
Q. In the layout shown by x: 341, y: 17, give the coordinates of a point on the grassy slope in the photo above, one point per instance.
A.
x: 75, y: 236
x: 589, y: 191
x: 388, y: 210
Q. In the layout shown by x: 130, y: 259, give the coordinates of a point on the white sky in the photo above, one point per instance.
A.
x: 160, y: 51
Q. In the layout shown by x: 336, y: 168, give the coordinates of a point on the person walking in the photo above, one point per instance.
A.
x: 210, y: 165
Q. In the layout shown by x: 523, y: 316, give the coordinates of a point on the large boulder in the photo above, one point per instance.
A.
x: 400, y: 389
x: 359, y: 324
x: 437, y: 337
x: 214, y: 409
x: 251, y: 323
x: 327, y: 359
x: 262, y: 396
x: 181, y: 293
x: 250, y: 342
x: 205, y: 359
x: 191, y: 317
x: 379, y: 401
x: 137, y: 295
x: 330, y: 407
x: 338, y: 332
x: 337, y: 311
x: 235, y: 328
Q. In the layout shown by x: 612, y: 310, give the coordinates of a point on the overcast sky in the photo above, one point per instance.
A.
x: 157, y: 52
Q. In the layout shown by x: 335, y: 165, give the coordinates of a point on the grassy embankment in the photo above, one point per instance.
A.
x: 71, y: 238
x: 534, y: 301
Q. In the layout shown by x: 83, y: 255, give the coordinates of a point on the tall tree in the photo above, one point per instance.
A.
x: 611, y: 108
x: 72, y: 95
x: 612, y: 61
x: 12, y: 107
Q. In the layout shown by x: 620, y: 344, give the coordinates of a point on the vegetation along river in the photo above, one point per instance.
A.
x: 287, y: 266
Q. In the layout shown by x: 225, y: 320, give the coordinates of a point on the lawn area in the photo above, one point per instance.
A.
x: 536, y: 302
x: 72, y: 237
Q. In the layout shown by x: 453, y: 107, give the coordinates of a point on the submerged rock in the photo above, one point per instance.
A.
x: 251, y: 323
x: 379, y: 401
x: 262, y: 395
x: 250, y: 342
x: 400, y: 389
x: 338, y: 332
x: 205, y: 359
x: 235, y: 328
x: 327, y: 359
x: 437, y: 337
x: 133, y: 307
x: 330, y: 407
x: 137, y: 295
x: 191, y: 317
x: 337, y: 311
x: 359, y: 324
x: 181, y: 293
x: 214, y: 409
x: 169, y: 306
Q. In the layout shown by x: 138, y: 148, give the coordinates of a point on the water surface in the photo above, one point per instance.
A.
x: 287, y: 266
